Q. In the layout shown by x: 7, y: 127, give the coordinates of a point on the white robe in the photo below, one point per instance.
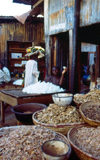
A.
x: 31, y: 73
x: 7, y: 77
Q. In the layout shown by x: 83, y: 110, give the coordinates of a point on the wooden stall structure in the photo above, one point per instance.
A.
x: 12, y: 30
x: 77, y: 22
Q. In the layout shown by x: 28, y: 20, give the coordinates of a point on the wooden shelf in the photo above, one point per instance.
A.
x: 17, y: 47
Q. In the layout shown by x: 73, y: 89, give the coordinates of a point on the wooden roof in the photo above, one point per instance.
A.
x: 28, y: 2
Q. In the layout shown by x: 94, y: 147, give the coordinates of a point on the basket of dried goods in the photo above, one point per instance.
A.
x: 25, y: 142
x: 85, y: 141
x: 90, y: 111
x: 93, y: 95
x: 58, y: 118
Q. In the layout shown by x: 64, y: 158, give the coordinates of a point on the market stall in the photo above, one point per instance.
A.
x: 16, y: 96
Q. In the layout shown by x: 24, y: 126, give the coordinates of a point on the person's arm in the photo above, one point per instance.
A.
x: 36, y: 73
x: 62, y: 76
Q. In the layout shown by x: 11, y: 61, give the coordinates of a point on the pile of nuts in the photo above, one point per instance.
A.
x: 93, y: 95
x: 55, y: 114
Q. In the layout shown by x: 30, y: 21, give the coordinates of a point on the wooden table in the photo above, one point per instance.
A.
x: 15, y: 97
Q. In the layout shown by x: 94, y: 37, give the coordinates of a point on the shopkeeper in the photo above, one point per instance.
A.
x: 31, y: 73
x: 57, y: 78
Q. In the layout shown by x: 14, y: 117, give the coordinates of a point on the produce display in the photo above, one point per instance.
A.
x: 42, y: 88
x: 87, y: 139
x: 93, y: 95
x: 55, y: 114
x: 34, y: 50
x: 24, y: 142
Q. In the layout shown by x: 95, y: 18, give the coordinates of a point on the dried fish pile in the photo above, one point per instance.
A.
x: 88, y: 140
x: 55, y: 114
x: 93, y: 95
x: 24, y: 142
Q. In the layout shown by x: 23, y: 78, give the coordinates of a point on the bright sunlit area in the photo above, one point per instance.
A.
x: 8, y: 8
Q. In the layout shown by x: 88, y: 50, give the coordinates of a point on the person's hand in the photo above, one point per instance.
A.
x: 64, y: 70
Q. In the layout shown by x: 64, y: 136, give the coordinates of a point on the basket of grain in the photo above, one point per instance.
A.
x: 85, y: 141
x: 90, y: 112
x: 58, y: 118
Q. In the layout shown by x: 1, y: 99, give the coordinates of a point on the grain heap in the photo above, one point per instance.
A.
x: 55, y: 114
x: 93, y: 95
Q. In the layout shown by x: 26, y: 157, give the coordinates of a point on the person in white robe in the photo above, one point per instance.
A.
x: 31, y: 73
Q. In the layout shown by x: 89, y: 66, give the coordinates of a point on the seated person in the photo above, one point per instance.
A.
x: 4, y: 74
x: 55, y: 77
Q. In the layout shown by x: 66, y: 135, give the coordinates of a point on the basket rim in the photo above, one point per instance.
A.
x: 84, y: 116
x: 71, y: 131
x: 53, y: 125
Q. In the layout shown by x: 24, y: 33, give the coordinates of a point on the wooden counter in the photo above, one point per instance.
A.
x: 14, y: 97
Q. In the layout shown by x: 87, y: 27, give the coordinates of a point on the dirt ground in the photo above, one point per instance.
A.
x: 10, y: 119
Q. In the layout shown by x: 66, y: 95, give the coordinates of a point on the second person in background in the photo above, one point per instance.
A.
x: 56, y: 78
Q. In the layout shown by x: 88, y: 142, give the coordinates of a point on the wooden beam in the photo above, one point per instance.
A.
x: 97, y: 63
x: 47, y: 37
x: 70, y: 55
x: 75, y: 58
x: 38, y: 3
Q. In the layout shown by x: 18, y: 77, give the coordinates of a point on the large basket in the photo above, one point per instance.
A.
x: 82, y: 109
x: 6, y: 131
x: 61, y: 128
x: 81, y: 154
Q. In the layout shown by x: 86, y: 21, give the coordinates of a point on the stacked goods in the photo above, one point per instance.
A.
x: 24, y: 142
x: 58, y: 118
x: 35, y: 50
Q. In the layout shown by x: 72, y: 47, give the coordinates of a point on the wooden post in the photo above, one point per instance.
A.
x: 97, y: 65
x: 70, y: 55
x: 75, y: 57
x: 47, y: 37
x: 2, y: 112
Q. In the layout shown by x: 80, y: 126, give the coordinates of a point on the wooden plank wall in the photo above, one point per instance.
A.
x: 61, y: 14
x: 15, y: 31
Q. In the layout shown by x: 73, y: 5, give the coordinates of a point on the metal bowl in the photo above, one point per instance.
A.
x: 55, y: 150
x: 62, y: 99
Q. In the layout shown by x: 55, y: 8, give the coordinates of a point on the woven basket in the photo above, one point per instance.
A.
x: 61, y: 128
x: 77, y: 104
x: 81, y: 154
x: 86, y: 119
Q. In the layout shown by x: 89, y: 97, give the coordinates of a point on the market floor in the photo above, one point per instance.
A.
x: 10, y: 119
